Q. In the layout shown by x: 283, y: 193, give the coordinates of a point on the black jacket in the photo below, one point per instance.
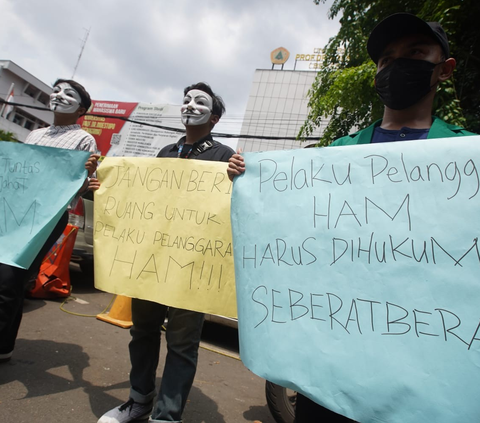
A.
x: 204, y: 149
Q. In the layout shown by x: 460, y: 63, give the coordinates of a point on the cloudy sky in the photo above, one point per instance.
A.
x: 149, y: 50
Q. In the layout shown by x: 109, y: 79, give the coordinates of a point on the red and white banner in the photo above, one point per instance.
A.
x: 116, y: 137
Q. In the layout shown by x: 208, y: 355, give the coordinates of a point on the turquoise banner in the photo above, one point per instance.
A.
x: 36, y: 186
x: 357, y: 276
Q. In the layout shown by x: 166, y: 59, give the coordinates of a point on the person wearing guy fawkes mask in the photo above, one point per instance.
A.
x: 68, y: 102
x: 412, y: 58
x: 201, y: 110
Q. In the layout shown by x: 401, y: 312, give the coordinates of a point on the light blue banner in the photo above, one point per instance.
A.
x: 358, y: 276
x: 36, y: 186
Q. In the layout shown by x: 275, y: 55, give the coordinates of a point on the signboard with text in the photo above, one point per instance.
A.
x: 315, y: 59
x: 141, y: 138
x: 357, y: 272
x: 36, y: 185
x: 162, y: 233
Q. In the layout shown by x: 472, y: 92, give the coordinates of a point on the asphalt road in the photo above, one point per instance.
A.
x: 68, y: 367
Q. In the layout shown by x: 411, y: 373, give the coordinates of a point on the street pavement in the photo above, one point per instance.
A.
x: 70, y: 367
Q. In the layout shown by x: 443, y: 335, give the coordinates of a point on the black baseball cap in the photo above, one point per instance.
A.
x: 401, y: 24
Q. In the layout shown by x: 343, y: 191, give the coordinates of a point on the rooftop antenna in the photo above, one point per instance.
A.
x: 84, y: 41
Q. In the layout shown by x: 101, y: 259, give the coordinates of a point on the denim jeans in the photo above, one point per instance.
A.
x: 183, y: 333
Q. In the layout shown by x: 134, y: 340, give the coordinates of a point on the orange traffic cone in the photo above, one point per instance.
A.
x: 120, y: 313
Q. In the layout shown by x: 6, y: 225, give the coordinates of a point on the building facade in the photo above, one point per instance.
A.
x: 277, y: 107
x: 27, y: 90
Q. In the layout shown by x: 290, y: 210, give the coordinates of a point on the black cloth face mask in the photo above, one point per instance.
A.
x: 404, y: 82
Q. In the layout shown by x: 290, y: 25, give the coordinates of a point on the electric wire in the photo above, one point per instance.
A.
x: 72, y: 298
x: 169, y: 128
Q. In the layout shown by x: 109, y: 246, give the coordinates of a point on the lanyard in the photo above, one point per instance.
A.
x: 198, y: 147
x: 180, y: 148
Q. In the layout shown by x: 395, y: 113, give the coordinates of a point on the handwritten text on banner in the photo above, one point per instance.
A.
x: 357, y: 275
x: 162, y: 233
x: 36, y: 185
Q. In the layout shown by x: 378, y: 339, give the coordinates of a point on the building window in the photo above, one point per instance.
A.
x: 29, y: 124
x: 18, y: 118
x: 31, y: 91
x: 44, y: 98
x: 27, y: 121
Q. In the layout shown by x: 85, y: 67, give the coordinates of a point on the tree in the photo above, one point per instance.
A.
x: 344, y: 90
x: 7, y: 136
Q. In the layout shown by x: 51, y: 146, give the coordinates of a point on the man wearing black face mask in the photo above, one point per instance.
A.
x: 412, y: 58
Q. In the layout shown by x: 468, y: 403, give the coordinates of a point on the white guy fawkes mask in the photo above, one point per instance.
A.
x: 196, y: 108
x: 64, y: 99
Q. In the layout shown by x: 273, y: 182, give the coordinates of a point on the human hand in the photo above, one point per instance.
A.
x: 236, y: 166
x: 93, y: 184
x: 92, y: 163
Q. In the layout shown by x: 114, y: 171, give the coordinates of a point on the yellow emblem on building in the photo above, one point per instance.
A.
x: 279, y: 56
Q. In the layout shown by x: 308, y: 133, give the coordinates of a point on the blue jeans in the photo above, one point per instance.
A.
x: 183, y: 333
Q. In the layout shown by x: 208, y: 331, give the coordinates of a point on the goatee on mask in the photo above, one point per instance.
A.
x: 197, y: 108
x: 404, y: 82
x: 64, y: 99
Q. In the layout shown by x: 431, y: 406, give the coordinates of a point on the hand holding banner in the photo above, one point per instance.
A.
x: 36, y: 185
x: 162, y: 233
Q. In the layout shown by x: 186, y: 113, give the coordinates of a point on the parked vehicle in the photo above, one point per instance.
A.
x: 281, y: 402
x: 82, y: 217
x: 222, y: 320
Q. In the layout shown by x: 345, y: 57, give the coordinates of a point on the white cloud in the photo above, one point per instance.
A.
x: 149, y: 50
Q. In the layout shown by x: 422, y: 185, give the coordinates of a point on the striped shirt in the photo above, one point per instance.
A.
x: 71, y: 137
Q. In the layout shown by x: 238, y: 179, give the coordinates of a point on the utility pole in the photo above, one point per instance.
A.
x: 84, y: 41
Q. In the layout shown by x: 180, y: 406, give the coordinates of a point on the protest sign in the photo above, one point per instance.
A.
x: 357, y: 276
x: 162, y: 233
x: 36, y: 185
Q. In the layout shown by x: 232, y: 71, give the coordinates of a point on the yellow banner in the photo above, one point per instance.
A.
x: 162, y: 233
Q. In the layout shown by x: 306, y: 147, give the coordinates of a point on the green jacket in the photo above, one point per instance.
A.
x: 439, y: 129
